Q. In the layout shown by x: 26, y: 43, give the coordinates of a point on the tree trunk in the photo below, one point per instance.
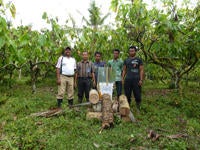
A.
x: 187, y: 77
x: 20, y: 74
x: 34, y: 72
x: 175, y: 81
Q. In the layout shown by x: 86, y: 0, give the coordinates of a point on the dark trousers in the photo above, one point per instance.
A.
x: 131, y: 85
x: 84, y: 85
x: 118, y: 88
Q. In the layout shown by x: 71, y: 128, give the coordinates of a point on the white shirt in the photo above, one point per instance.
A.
x: 68, y: 65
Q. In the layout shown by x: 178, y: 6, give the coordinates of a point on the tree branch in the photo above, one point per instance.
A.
x: 186, y: 70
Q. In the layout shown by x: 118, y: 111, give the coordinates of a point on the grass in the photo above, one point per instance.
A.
x: 163, y: 110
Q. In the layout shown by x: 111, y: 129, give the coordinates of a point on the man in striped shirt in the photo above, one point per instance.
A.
x: 84, y: 76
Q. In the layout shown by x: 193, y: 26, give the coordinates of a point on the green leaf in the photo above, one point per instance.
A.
x: 13, y: 10
x: 2, y: 42
x: 44, y: 16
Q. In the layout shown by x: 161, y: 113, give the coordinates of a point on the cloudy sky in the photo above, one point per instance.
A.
x: 29, y: 12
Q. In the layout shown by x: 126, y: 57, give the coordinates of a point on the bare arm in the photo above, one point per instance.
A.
x: 93, y: 77
x: 141, y: 72
x: 141, y: 75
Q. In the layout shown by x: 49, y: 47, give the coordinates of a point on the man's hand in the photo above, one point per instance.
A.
x: 58, y: 81
x: 140, y: 83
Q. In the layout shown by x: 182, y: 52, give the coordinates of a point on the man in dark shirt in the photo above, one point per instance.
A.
x: 98, y: 63
x: 132, y: 76
x: 84, y: 75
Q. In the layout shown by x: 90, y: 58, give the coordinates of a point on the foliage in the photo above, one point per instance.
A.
x: 168, y: 37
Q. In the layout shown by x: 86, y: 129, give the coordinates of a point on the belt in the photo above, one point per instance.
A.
x: 68, y: 75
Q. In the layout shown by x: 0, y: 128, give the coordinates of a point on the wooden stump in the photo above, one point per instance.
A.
x: 124, y: 108
x: 93, y: 96
x: 107, y: 112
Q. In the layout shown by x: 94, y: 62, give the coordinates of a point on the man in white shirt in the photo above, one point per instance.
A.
x: 65, y: 70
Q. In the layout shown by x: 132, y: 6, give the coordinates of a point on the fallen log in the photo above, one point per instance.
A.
x: 49, y: 113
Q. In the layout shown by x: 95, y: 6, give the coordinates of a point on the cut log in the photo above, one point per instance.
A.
x: 93, y: 96
x: 93, y: 115
x: 124, y: 108
x: 107, y: 112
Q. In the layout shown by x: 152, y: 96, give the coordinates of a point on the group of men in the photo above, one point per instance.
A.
x: 70, y: 74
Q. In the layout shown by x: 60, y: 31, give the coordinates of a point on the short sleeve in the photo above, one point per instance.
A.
x: 58, y: 65
x: 141, y: 62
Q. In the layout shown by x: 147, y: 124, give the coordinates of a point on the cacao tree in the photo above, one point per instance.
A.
x: 168, y: 37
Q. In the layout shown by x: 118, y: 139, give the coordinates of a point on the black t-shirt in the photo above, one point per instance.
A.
x: 132, y: 67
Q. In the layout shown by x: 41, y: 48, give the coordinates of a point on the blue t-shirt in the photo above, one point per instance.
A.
x: 96, y: 65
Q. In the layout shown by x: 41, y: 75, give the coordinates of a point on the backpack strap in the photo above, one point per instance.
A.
x: 61, y: 65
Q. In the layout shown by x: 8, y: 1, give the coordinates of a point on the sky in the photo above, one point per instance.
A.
x: 29, y: 12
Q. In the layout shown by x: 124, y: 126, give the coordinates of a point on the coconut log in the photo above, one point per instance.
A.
x: 93, y: 96
x: 124, y: 108
x: 107, y: 112
x: 93, y: 115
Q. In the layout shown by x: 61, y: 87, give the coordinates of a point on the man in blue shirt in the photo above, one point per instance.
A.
x: 98, y: 63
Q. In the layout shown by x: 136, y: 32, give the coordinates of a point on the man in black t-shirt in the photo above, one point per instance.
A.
x: 132, y: 76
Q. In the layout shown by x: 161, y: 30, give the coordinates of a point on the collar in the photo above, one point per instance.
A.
x: 116, y: 59
x: 87, y: 61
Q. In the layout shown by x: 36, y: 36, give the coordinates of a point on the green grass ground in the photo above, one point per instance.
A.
x: 163, y: 110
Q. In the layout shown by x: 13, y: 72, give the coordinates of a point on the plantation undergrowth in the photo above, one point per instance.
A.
x: 163, y: 110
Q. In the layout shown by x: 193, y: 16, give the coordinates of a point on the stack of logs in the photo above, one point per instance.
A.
x: 103, y: 109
